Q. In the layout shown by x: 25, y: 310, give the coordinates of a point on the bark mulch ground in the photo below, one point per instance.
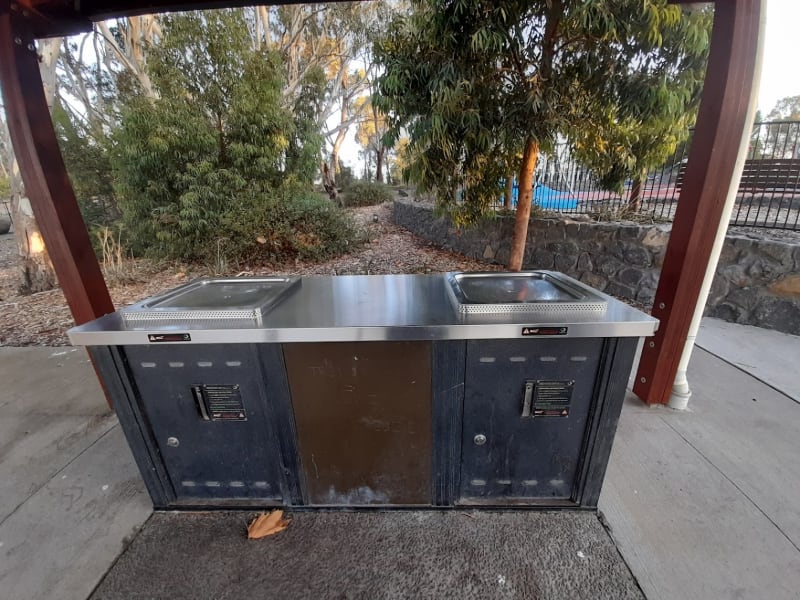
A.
x: 42, y: 319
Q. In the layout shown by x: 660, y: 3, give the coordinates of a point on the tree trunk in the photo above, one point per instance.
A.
x: 635, y: 201
x: 379, y: 164
x: 529, y: 158
x: 329, y: 181
x: 36, y: 270
x: 337, y: 147
x: 508, y: 195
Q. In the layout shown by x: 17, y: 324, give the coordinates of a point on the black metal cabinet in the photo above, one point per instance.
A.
x: 526, y: 408
x: 207, y: 408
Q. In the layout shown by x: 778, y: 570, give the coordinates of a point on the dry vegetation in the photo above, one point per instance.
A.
x: 42, y: 319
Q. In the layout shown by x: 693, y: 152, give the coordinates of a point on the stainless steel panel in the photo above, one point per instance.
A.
x: 244, y: 299
x: 373, y: 308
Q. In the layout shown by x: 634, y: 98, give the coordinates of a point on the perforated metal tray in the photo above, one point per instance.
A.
x: 525, y: 291
x: 241, y: 300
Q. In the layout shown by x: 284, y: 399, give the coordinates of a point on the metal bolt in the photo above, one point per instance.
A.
x: 26, y: 14
x: 652, y: 344
x: 18, y: 41
x: 643, y: 380
x: 15, y: 7
x: 662, y: 306
x: 479, y: 439
x: 173, y: 442
x: 31, y: 47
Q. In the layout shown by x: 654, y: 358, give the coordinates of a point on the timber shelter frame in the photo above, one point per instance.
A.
x: 721, y: 125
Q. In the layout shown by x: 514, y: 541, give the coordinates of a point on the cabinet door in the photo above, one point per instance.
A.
x: 526, y: 405
x: 363, y: 417
x: 206, y: 406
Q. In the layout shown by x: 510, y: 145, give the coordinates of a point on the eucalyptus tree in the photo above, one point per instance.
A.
x: 480, y: 86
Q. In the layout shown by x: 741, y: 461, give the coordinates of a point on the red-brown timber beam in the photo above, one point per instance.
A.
x: 47, y: 184
x: 721, y: 122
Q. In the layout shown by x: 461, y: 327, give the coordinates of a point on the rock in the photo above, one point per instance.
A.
x: 570, y: 248
x: 779, y: 314
x: 620, y: 291
x: 542, y: 259
x: 565, y: 263
x: 5, y: 224
x: 728, y: 254
x: 779, y: 252
x: 488, y: 252
x: 745, y: 297
x: 630, y: 276
x: 637, y: 256
x: 585, y: 262
x: 555, y: 232
x: 656, y: 237
x: 607, y: 265
x: 726, y: 312
x: 595, y: 281
x: 742, y: 243
x: 631, y: 233
x: 736, y: 274
x: 572, y: 230
x: 646, y: 295
x: 719, y: 290
x: 617, y: 250
x: 787, y: 287
x: 593, y: 247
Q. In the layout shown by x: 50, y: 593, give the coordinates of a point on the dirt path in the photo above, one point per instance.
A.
x: 42, y: 319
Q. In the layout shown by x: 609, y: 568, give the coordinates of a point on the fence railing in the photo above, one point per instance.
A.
x: 768, y: 196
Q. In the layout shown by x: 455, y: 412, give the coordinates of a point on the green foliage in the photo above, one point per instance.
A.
x: 5, y: 187
x: 366, y: 193
x: 473, y: 82
x: 285, y: 223
x: 89, y: 166
x: 216, y: 142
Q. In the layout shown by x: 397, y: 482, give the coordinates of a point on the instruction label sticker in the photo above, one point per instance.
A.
x: 169, y: 337
x: 527, y: 331
x: 552, y: 398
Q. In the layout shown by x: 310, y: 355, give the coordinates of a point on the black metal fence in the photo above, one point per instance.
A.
x: 769, y: 191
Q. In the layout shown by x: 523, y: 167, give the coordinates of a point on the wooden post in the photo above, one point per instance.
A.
x: 721, y: 122
x: 47, y: 184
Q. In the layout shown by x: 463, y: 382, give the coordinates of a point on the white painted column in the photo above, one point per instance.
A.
x: 679, y: 399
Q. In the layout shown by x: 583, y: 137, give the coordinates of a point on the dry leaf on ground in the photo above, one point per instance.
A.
x: 267, y: 524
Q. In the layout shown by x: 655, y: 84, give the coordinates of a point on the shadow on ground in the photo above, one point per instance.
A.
x: 373, y: 555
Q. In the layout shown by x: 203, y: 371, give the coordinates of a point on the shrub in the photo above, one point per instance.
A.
x: 366, y: 193
x: 344, y: 178
x: 282, y: 224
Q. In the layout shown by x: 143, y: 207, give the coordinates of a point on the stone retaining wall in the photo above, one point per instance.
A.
x: 757, y: 282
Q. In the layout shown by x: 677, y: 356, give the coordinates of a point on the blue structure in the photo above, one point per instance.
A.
x: 547, y: 198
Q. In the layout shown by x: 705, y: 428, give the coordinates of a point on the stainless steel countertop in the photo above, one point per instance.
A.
x: 373, y: 308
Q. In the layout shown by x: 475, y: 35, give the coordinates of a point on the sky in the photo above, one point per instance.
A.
x: 780, y: 75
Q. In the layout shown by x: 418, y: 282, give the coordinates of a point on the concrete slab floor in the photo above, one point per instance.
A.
x: 770, y: 356
x: 373, y: 555
x: 701, y: 503
x: 69, y: 490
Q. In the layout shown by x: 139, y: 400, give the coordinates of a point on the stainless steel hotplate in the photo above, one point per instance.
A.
x: 526, y: 291
x: 241, y: 300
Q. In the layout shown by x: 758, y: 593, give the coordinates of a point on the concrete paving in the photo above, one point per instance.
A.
x: 701, y: 503
x: 70, y: 494
x: 770, y: 356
